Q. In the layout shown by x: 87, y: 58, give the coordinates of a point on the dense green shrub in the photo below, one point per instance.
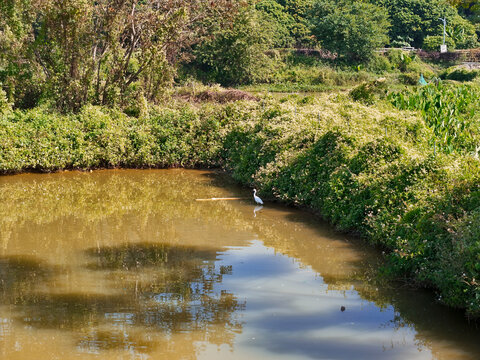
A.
x: 368, y: 92
x: 432, y: 43
x: 408, y: 62
x: 237, y: 54
x: 459, y: 74
x: 98, y: 137
x: 379, y: 64
x: 281, y: 21
x: 408, y: 78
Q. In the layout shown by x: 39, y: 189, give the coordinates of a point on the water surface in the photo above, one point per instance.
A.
x: 126, y: 264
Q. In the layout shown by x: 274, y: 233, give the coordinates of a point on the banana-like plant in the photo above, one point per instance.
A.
x: 449, y: 110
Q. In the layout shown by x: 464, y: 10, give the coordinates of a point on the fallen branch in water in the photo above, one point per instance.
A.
x: 219, y: 199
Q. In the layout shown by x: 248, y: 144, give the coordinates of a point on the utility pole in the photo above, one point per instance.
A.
x: 443, y: 48
x: 444, y: 28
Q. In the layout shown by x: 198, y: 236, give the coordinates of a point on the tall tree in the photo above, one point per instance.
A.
x: 351, y: 29
x: 282, y: 22
x: 237, y: 54
x: 95, y: 50
x: 416, y: 19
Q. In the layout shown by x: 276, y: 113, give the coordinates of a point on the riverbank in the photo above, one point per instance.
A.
x: 366, y: 169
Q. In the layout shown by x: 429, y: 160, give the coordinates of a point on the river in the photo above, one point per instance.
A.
x: 126, y: 264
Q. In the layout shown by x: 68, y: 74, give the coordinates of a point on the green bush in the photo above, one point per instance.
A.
x: 432, y: 43
x: 353, y: 30
x: 379, y: 64
x: 408, y: 78
x: 5, y: 106
x: 408, y: 62
x: 368, y: 92
x: 468, y: 42
x: 419, y: 67
x: 459, y: 74
x: 237, y: 55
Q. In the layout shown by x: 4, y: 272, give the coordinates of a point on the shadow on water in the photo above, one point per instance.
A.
x: 438, y: 327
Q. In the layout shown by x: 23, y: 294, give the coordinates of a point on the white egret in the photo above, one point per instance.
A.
x: 256, y: 198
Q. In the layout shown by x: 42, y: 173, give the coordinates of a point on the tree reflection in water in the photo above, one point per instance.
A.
x: 158, y: 291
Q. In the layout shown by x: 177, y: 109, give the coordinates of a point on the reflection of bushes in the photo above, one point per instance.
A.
x: 132, y: 256
x: 19, y: 275
x: 178, y: 296
x: 42, y: 202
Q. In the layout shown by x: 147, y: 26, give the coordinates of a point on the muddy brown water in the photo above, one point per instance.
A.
x: 125, y: 264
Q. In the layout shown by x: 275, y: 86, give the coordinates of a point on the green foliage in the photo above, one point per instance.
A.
x: 379, y: 64
x: 401, y: 59
x: 432, y: 43
x: 459, y: 74
x: 410, y: 65
x: 368, y: 92
x: 300, y: 30
x: 5, y: 106
x: 401, y: 42
x: 237, y: 55
x: 78, y: 52
x: 353, y: 30
x: 463, y: 35
x: 282, y: 22
x: 19, y: 72
x: 99, y: 137
x: 416, y: 19
x: 451, y: 112
x: 318, y: 74
x: 288, y: 18
x: 409, y: 78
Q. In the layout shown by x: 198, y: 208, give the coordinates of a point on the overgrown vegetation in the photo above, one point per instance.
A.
x: 366, y: 169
